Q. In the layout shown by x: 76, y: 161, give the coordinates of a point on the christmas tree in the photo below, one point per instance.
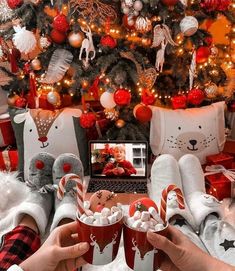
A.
x: 124, y: 55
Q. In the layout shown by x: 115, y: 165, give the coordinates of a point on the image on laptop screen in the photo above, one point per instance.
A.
x: 118, y: 159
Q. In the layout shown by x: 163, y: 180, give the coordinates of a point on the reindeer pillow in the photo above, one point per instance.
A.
x: 55, y: 132
x: 199, y: 131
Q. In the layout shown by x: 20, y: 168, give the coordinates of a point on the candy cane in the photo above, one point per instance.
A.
x: 79, y: 188
x: 165, y: 192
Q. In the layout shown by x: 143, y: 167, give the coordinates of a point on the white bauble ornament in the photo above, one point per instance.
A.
x: 24, y: 40
x: 138, y: 5
x: 128, y: 3
x: 44, y: 42
x: 189, y: 26
x: 143, y: 24
x: 136, y: 13
x: 211, y: 90
x: 130, y: 21
x: 106, y: 100
x: 53, y: 97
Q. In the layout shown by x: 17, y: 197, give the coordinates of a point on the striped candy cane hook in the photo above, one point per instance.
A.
x: 165, y: 192
x: 79, y: 187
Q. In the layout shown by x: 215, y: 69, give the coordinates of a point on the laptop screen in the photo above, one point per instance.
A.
x: 116, y: 159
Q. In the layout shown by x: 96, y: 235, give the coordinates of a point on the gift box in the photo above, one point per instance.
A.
x: 224, y: 159
x: 8, y: 159
x: 220, y: 182
x: 7, y: 136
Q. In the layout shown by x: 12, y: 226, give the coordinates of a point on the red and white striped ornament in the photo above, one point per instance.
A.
x: 79, y: 188
x: 165, y: 192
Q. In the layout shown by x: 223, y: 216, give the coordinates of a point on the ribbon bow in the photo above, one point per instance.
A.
x: 228, y: 173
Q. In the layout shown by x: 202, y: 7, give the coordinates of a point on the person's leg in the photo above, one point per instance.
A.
x: 20, y: 243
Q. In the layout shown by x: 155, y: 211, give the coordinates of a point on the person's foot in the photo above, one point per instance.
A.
x: 38, y: 203
x: 65, y: 209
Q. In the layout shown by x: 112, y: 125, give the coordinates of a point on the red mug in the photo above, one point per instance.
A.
x: 139, y: 253
x: 103, y: 240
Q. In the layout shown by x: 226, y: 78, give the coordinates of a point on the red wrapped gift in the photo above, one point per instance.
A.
x: 8, y: 159
x: 222, y: 158
x: 7, y: 136
x: 220, y: 182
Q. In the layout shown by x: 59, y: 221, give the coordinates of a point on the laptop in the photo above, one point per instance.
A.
x: 118, y: 166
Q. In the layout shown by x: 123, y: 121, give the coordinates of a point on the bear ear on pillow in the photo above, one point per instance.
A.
x: 198, y: 131
x: 54, y: 132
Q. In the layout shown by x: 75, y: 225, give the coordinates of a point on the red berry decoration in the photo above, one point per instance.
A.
x: 20, y: 102
x: 87, y: 120
x: 57, y: 36
x: 202, y: 54
x: 13, y: 4
x: 108, y: 41
x: 66, y: 167
x: 208, y: 40
x: 60, y: 23
x: 223, y: 5
x: 215, y: 5
x: 122, y: 97
x: 141, y: 205
x: 142, y: 113
x: 170, y: 3
x: 179, y: 102
x: 196, y: 96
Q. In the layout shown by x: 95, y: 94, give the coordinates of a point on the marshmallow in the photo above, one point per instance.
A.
x: 145, y: 216
x: 145, y: 226
x: 112, y: 219
x: 82, y: 217
x: 104, y: 221
x: 88, y: 212
x: 114, y: 209
x: 96, y: 222
x: 159, y: 227
x: 118, y: 215
x: 89, y: 220
x: 130, y: 221
x: 137, y: 215
x: 155, y: 214
x: 97, y: 215
x: 136, y: 224
x: 105, y: 212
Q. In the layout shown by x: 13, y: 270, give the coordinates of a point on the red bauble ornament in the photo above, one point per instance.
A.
x: 20, y: 102
x: 170, y: 3
x: 60, y: 23
x: 13, y: 4
x: 208, y: 40
x: 196, y: 96
x: 215, y: 5
x: 142, y: 205
x: 87, y: 120
x: 148, y: 98
x: 142, y: 113
x: 202, y: 54
x: 57, y: 36
x: 179, y: 102
x: 108, y: 41
x: 122, y: 97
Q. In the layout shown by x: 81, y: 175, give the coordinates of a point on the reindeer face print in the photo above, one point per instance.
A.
x: 172, y: 200
x: 190, y: 142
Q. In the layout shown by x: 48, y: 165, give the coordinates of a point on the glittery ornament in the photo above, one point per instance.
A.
x: 120, y: 123
x: 24, y: 40
x: 170, y: 3
x: 129, y: 22
x: 111, y: 113
x: 214, y: 51
x: 57, y: 36
x: 44, y: 42
x: 20, y: 102
x: 143, y: 24
x: 179, y: 102
x: 189, y: 26
x: 36, y: 64
x: 142, y: 113
x: 53, y: 97
x: 196, y: 96
x: 122, y: 97
x: 211, y: 90
x: 60, y: 23
x: 87, y: 120
x: 13, y: 4
x: 202, y: 54
x: 108, y: 41
x: 6, y: 13
x: 128, y: 3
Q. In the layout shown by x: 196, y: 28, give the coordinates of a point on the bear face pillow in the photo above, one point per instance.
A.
x: 199, y: 131
x: 54, y: 132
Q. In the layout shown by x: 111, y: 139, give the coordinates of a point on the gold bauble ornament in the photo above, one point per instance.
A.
x: 211, y: 90
x: 120, y: 123
x: 75, y: 39
x: 36, y: 64
x: 53, y: 97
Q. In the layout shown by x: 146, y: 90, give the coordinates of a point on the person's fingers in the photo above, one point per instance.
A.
x: 73, y: 264
x: 72, y: 252
x: 69, y: 228
x: 161, y: 242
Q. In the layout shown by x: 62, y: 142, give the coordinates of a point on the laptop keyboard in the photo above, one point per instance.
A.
x: 118, y: 186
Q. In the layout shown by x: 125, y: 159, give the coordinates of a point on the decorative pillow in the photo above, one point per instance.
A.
x: 54, y: 132
x: 199, y: 131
